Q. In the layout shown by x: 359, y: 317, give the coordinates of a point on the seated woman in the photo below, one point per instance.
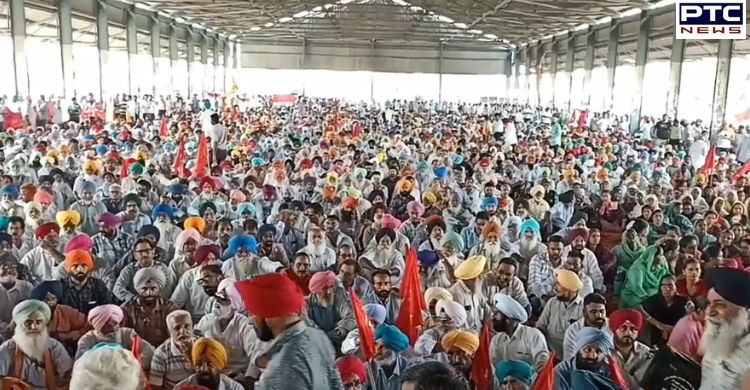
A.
x: 662, y: 311
x: 690, y: 285
x: 644, y: 276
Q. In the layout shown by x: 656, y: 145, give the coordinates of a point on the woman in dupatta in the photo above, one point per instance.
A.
x: 737, y: 215
x: 626, y: 254
x: 643, y: 279
x: 659, y: 226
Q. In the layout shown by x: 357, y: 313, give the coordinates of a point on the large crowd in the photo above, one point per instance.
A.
x: 226, y: 243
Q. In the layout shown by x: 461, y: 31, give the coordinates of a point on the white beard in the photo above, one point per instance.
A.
x: 33, y: 346
x: 317, y: 250
x: 164, y: 228
x: 528, y: 246
x: 492, y: 250
x: 222, y: 312
x: 382, y: 256
x: 719, y: 341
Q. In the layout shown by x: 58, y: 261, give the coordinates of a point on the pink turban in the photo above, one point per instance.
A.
x: 228, y: 288
x: 110, y: 220
x: 238, y: 195
x: 80, y: 241
x: 415, y: 207
x: 322, y: 280
x: 390, y: 222
x: 101, y: 315
x: 44, y: 197
x: 184, y: 235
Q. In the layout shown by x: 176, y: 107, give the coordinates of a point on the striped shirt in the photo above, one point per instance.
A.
x: 169, y: 366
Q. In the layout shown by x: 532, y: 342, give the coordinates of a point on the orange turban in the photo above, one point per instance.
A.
x: 491, y: 228
x: 196, y: 223
x: 79, y: 256
x: 350, y: 203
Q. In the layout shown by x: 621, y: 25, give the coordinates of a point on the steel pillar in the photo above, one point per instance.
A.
x: 173, y: 58
x: 539, y: 70
x: 588, y: 65
x: 553, y: 53
x: 65, y: 21
x: 102, y: 43
x: 226, y: 51
x: 641, y: 58
x: 131, y: 37
x: 217, y: 55
x: 570, y: 56
x: 675, y: 77
x: 721, y: 85
x: 440, y: 74
x: 190, y: 45
x: 612, y: 58
x: 529, y: 61
x: 155, y: 49
x: 18, y: 35
x: 510, y: 59
x: 517, y: 59
x: 204, y: 61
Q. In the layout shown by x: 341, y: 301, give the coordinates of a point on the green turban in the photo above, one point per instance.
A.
x: 453, y: 240
x: 25, y: 309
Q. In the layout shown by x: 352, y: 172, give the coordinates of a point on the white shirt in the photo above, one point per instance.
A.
x: 238, y: 338
x: 527, y: 344
x: 590, y: 266
x: 555, y: 319
x: 41, y: 264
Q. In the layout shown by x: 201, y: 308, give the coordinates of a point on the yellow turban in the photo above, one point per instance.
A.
x: 211, y: 350
x: 380, y: 157
x: 68, y: 217
x: 461, y: 339
x: 470, y: 268
x: 437, y: 293
x: 602, y: 175
x: 90, y: 166
x: 569, y: 280
x: 196, y: 223
x: 428, y: 198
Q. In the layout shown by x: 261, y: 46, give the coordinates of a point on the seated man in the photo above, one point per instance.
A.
x: 594, y: 355
x: 171, y: 363
x: 328, y: 307
x: 143, y: 252
x: 210, y: 359
x: 147, y: 312
x: 20, y: 357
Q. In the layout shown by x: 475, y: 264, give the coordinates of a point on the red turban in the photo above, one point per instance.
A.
x: 579, y: 232
x: 271, y: 296
x: 390, y: 222
x: 618, y: 318
x: 45, y: 229
x: 208, y: 181
x: 202, y: 252
x: 350, y: 203
x: 349, y: 366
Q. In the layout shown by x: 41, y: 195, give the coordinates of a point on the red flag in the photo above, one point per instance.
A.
x: 410, y: 316
x: 546, y: 378
x: 201, y: 162
x: 366, y: 334
x: 744, y: 170
x: 710, y: 164
x: 125, y: 170
x: 357, y: 133
x: 13, y: 120
x: 163, y: 130
x: 482, y: 372
x: 179, y: 160
x: 617, y: 376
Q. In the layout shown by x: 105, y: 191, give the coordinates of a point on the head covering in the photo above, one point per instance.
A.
x: 415, y: 207
x: 491, y: 227
x: 461, y: 339
x: 242, y: 241
x: 391, y: 337
x: 271, y: 296
x: 731, y: 284
x: 429, y: 198
x: 596, y: 337
x: 110, y: 220
x: 68, y: 217
x: 107, y: 366
x: 619, y: 317
x: 470, y: 268
x: 453, y: 310
x: 196, y: 223
x: 388, y: 221
x: 436, y: 294
x: 489, y: 201
x: 79, y: 256
x: 45, y: 287
x: 101, y: 315
x: 10, y: 190
x: 80, y: 241
x: 212, y: 350
x: 376, y: 312
x: 149, y: 230
x: 322, y: 280
x: 202, y: 252
x: 453, y: 240
x: 151, y: 274
x: 434, y: 221
x: 349, y: 366
x: 43, y: 197
x: 530, y: 224
x: 516, y: 369
x: 185, y: 235
x: 385, y: 232
x: 228, y: 286
x: 509, y: 307
x: 580, y: 232
x: 24, y: 309
x: 162, y: 208
x: 428, y: 258
x: 265, y: 229
x: 131, y: 197
x: 45, y: 229
x: 569, y: 280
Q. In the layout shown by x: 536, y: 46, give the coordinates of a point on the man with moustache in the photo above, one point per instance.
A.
x: 594, y: 316
x: 111, y: 244
x: 328, y: 307
x: 43, y: 259
x: 80, y: 290
x: 449, y: 316
x: 16, y: 290
x: 32, y: 356
x: 389, y: 363
x: 593, y: 357
x: 579, y: 237
x: 106, y: 321
x: 530, y: 244
x: 143, y: 252
x: 146, y: 313
x: 276, y: 304
x: 490, y: 246
x: 321, y: 256
x: 162, y: 216
x: 460, y: 347
x: 630, y: 353
x: 562, y: 310
x: 299, y: 273
x: 171, y: 363
x: 726, y: 337
x: 384, y: 295
x: 350, y: 278
x: 268, y: 247
x: 541, y: 283
x: 384, y: 255
x: 513, y: 340
x: 209, y: 358
x: 503, y: 279
x: 468, y: 290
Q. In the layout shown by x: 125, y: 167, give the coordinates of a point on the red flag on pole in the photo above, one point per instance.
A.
x: 546, y: 378
x: 13, y: 120
x: 125, y: 170
x: 201, y: 161
x: 163, y: 130
x: 366, y: 334
x: 710, y: 164
x: 482, y: 372
x: 617, y: 376
x: 410, y: 316
x: 179, y: 160
x: 744, y: 170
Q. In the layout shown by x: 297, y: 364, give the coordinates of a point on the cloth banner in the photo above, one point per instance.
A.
x: 669, y: 370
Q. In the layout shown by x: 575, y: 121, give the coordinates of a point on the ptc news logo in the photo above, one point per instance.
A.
x: 710, y: 19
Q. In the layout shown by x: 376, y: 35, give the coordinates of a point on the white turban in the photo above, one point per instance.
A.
x: 453, y: 310
x: 510, y: 307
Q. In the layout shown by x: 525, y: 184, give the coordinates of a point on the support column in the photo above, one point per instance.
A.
x: 131, y: 37
x: 509, y: 61
x: 588, y: 65
x: 529, y: 61
x: 721, y: 86
x: 226, y: 48
x: 554, y: 49
x: 612, y: 58
x: 204, y: 61
x: 190, y: 44
x: 172, y: 58
x: 65, y: 20
x: 570, y: 57
x: 517, y: 59
x: 675, y: 77
x: 155, y: 49
x: 641, y: 58
x: 217, y: 55
x: 440, y: 74
x: 540, y: 53
x: 102, y: 43
x: 303, y: 54
x: 18, y: 34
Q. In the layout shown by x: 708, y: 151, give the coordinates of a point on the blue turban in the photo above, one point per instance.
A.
x: 53, y: 287
x: 10, y: 190
x: 266, y: 228
x: 257, y: 162
x: 376, y: 312
x: 101, y: 149
x: 46, y: 179
x: 458, y: 159
x: 428, y: 258
x: 391, y: 337
x: 593, y: 336
x: 176, y: 189
x: 530, y: 223
x: 88, y: 138
x: 453, y: 240
x: 162, y: 208
x: 516, y: 369
x: 246, y: 207
x: 441, y: 172
x: 4, y: 222
x: 490, y: 201
x: 5, y: 238
x: 242, y: 241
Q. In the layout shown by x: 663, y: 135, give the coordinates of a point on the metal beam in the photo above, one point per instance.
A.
x: 131, y: 37
x: 530, y: 60
x: 18, y: 35
x: 440, y: 74
x: 217, y: 63
x: 517, y: 59
x: 553, y: 52
x: 675, y: 76
x: 173, y: 57
x: 102, y: 43
x: 65, y: 21
x: 570, y: 55
x: 204, y: 61
x: 226, y: 49
x: 510, y: 60
x: 721, y: 86
x: 190, y: 45
x: 303, y: 54
x: 641, y: 58
x: 588, y: 65
x: 612, y: 47
x: 539, y: 70
x: 155, y: 48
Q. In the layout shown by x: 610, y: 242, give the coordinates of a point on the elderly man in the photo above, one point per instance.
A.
x: 514, y: 340
x: 66, y: 324
x: 431, y: 272
x: 106, y: 321
x: 562, y: 310
x: 467, y: 290
x: 31, y: 356
x: 594, y: 315
x: 80, y: 290
x: 449, y: 316
x: 388, y: 364
x: 171, y: 363
x: 185, y: 246
x: 489, y: 247
x: 88, y: 208
x: 276, y: 303
x: 353, y: 372
x: 384, y: 295
x: 209, y: 359
x: 593, y: 357
x: 43, y: 259
x: 146, y: 312
x: 322, y: 257
x: 111, y: 244
x: 385, y: 254
x: 143, y: 251
x: 514, y: 375
x: 328, y: 307
x: 16, y: 290
x: 191, y: 291
x: 244, y: 263
x: 225, y: 324
x: 460, y: 346
x: 630, y: 353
